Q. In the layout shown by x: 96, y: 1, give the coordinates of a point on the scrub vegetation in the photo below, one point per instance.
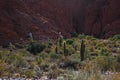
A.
x: 63, y: 60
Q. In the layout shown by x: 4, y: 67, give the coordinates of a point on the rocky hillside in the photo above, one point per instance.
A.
x: 46, y: 18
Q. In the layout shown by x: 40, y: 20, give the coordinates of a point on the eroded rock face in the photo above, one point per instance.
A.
x: 46, y: 18
x: 103, y: 18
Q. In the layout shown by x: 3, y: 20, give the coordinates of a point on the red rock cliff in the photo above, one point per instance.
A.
x: 45, y: 18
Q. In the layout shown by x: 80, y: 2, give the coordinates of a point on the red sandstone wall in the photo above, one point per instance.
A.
x: 45, y: 18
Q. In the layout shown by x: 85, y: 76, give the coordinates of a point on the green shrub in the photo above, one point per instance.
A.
x: 19, y: 45
x: 54, y: 55
x: 48, y: 50
x: 81, y: 36
x: 75, y: 57
x: 4, y: 55
x: 74, y: 34
x: 3, y: 68
x: 90, y: 37
x: 70, y: 41
x: 115, y: 38
x: 43, y: 55
x: 50, y: 45
x: 35, y: 47
x: 106, y: 62
x: 70, y: 50
x: 39, y: 60
x: 118, y: 57
x: 104, y: 52
x: 30, y: 73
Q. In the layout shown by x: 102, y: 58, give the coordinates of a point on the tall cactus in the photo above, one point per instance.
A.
x: 56, y: 50
x: 82, y: 50
x: 65, y: 49
x: 60, y: 39
x: 60, y: 42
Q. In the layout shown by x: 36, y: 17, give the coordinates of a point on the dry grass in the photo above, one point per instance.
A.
x: 91, y: 71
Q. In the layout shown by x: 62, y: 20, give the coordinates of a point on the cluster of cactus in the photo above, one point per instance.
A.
x: 64, y: 48
x: 82, y: 48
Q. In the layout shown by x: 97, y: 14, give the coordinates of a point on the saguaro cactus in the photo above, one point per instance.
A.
x: 56, y: 50
x: 82, y: 50
x: 65, y: 50
x: 60, y: 39
x: 60, y: 42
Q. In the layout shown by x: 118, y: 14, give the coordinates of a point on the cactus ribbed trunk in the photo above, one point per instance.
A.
x: 82, y: 50
x: 60, y: 43
x: 56, y: 50
x: 65, y: 49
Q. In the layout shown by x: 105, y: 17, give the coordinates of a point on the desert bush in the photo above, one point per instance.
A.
x: 48, y: 50
x: 75, y: 56
x: 3, y: 68
x: 2, y: 55
x: 81, y: 36
x: 39, y: 60
x: 29, y: 73
x: 17, y: 60
x: 106, y: 62
x: 53, y: 55
x: 70, y: 63
x: 76, y: 46
x: 33, y: 65
x: 50, y: 45
x: 100, y: 44
x: 118, y: 57
x: 105, y: 52
x: 90, y: 37
x: 118, y: 51
x: 43, y: 55
x: 35, y: 47
x: 70, y: 50
x: 91, y: 71
x: 45, y: 65
x: 54, y: 71
x: 19, y: 45
x: 115, y: 37
x: 74, y: 34
x: 117, y: 76
x: 70, y: 41
x: 23, y: 53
